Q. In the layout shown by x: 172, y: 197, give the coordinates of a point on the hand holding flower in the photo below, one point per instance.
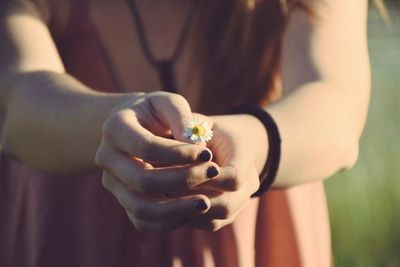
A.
x: 136, y: 142
x: 239, y: 146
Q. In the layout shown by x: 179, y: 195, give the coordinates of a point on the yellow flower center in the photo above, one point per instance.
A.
x: 198, y: 130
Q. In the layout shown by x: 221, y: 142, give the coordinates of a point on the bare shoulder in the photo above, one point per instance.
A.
x: 333, y: 12
x: 26, y: 7
x: 55, y: 11
x: 333, y: 4
x: 329, y: 44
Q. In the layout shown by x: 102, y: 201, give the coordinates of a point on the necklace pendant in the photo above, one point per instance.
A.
x: 166, y: 75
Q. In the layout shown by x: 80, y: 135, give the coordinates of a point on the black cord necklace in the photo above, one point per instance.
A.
x: 165, y: 68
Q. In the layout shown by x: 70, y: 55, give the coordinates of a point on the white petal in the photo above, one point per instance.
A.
x: 198, y: 139
x: 188, y: 132
x: 196, y: 121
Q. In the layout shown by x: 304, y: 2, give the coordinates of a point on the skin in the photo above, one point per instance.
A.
x: 325, y: 81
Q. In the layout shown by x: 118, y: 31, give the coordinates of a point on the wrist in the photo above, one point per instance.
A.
x: 269, y: 172
x: 251, y: 132
x: 257, y: 136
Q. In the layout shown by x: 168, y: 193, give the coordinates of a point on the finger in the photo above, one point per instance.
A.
x: 172, y: 110
x: 228, y: 204
x: 153, y: 209
x: 124, y: 131
x: 227, y: 180
x: 235, y: 170
x: 210, y: 222
x: 143, y: 178
x: 171, y: 179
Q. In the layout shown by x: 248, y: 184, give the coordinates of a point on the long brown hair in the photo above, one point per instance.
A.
x: 239, y: 50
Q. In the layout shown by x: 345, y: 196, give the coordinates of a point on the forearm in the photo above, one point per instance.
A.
x: 53, y: 122
x: 320, y: 127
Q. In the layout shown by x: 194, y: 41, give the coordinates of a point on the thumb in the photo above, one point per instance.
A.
x: 173, y: 112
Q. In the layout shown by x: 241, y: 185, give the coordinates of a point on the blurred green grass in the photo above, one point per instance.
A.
x: 364, y: 203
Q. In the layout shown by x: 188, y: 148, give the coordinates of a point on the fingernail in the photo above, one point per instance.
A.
x: 204, y: 156
x: 212, y: 172
x: 200, y: 205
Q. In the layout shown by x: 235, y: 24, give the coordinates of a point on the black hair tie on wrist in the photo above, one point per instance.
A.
x: 268, y: 174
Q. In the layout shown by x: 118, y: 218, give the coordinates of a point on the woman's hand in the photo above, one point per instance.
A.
x: 136, y: 141
x: 240, y: 148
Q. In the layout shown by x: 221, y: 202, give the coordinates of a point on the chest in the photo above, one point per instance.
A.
x: 117, y: 25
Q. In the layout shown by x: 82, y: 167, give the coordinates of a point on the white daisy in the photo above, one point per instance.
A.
x: 198, y: 131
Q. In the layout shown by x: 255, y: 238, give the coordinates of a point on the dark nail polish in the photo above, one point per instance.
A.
x: 212, y: 172
x: 200, y: 205
x: 204, y: 156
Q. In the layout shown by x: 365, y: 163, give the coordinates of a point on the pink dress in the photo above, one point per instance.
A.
x: 71, y: 220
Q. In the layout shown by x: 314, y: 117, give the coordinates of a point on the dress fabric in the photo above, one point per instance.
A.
x: 71, y: 220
